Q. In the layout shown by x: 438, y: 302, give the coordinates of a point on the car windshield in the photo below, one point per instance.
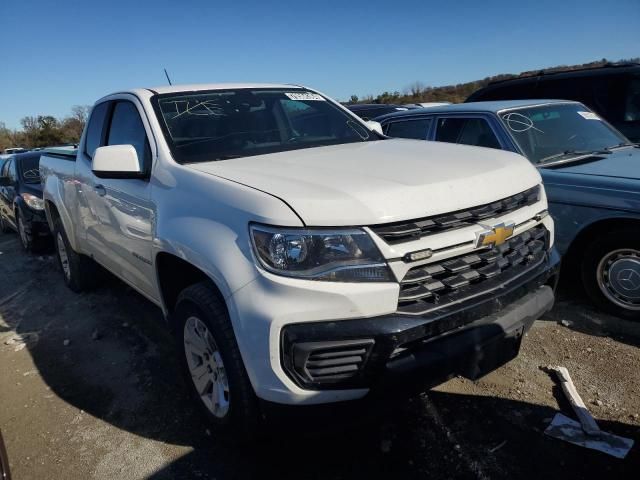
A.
x: 550, y: 132
x: 226, y: 124
x: 30, y: 169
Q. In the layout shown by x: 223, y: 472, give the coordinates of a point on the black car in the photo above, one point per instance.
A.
x: 21, y: 204
x: 613, y: 91
x: 369, y: 111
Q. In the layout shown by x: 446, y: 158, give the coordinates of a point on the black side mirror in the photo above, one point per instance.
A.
x: 5, y: 182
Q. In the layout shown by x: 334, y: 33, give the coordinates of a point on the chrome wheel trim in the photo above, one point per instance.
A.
x: 618, y: 276
x: 206, y: 367
x: 23, y: 233
x: 62, y: 255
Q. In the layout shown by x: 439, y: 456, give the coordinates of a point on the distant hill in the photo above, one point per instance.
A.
x: 417, y: 92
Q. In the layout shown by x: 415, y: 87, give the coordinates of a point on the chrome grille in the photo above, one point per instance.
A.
x: 404, y: 231
x: 434, y: 285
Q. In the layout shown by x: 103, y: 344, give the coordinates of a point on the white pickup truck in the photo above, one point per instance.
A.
x: 299, y: 256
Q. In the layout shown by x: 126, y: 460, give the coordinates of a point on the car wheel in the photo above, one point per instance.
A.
x: 26, y: 239
x: 611, y: 273
x: 212, y: 363
x: 79, y: 272
x: 4, y: 228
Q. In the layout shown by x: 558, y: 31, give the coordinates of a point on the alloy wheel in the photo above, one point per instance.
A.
x: 64, y: 258
x: 206, y: 367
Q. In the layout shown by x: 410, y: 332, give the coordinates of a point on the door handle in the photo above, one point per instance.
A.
x: 100, y: 190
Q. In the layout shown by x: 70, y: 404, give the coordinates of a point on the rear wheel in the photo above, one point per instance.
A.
x: 611, y: 273
x: 212, y: 363
x: 80, y: 272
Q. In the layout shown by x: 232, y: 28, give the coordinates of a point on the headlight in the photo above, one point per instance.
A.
x: 333, y: 255
x: 32, y: 201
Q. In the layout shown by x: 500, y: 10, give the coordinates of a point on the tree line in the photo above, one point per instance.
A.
x: 418, y: 92
x: 45, y: 130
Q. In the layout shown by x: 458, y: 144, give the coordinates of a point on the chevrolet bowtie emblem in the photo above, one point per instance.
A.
x: 495, y: 236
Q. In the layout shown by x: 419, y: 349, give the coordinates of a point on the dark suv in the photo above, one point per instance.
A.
x: 613, y: 91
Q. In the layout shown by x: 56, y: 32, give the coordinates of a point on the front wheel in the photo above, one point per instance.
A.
x: 27, y: 240
x: 212, y: 363
x: 611, y: 273
x: 4, y: 228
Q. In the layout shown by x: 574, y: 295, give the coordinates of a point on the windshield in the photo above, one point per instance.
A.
x: 30, y: 169
x: 225, y: 124
x: 559, y: 129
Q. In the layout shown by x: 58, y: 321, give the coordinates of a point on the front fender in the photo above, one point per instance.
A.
x: 572, y: 220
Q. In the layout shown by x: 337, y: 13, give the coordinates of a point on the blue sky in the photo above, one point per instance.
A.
x: 56, y: 54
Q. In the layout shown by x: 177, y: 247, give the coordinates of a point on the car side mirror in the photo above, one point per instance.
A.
x: 375, y: 126
x: 5, y: 182
x: 116, y: 161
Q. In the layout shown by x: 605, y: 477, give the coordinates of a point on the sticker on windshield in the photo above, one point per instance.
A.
x: 304, y: 96
x: 589, y: 115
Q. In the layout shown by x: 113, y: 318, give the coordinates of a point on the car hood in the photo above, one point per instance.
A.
x: 383, y: 181
x: 623, y: 163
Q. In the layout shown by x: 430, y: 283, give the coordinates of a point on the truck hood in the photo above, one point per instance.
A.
x: 382, y: 181
x: 623, y: 163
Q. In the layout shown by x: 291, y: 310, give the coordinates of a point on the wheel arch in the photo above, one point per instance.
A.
x: 593, y: 230
x: 174, y: 274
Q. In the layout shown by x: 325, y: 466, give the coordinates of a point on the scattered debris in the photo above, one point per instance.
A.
x: 571, y: 431
x: 589, y: 425
x: 498, y: 447
x: 125, y: 324
x: 597, y: 402
x: 96, y: 335
x: 566, y: 323
x: 586, y: 433
x: 66, y: 342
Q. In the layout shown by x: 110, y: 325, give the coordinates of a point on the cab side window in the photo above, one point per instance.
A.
x: 127, y: 129
x: 95, y: 129
x: 416, y: 129
x: 467, y: 131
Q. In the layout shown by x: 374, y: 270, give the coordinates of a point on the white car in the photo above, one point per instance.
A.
x: 299, y: 256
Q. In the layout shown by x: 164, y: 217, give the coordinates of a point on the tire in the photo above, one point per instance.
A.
x: 80, y: 273
x: 611, y: 272
x: 4, y: 228
x: 200, y: 311
x: 29, y: 244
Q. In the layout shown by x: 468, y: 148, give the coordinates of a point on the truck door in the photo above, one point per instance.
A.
x: 118, y: 216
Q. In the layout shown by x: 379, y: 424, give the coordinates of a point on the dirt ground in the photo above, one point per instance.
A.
x: 89, y: 388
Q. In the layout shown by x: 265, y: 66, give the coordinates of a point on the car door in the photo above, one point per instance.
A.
x: 118, y: 215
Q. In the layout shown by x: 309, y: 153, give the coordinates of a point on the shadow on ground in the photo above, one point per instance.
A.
x: 118, y: 365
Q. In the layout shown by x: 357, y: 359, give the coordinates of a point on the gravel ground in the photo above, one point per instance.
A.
x: 89, y: 389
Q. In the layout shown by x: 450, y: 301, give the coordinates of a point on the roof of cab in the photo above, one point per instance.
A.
x: 218, y: 86
x: 475, y: 107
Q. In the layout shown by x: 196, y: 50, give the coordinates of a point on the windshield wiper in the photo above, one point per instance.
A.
x: 623, y: 144
x: 577, y: 153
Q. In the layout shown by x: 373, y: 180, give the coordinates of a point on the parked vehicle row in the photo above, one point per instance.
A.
x: 590, y: 170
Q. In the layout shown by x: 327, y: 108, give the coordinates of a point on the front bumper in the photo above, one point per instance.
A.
x: 35, y: 222
x: 469, y: 339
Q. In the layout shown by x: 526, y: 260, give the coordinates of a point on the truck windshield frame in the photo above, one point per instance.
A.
x: 548, y: 130
x: 225, y: 124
